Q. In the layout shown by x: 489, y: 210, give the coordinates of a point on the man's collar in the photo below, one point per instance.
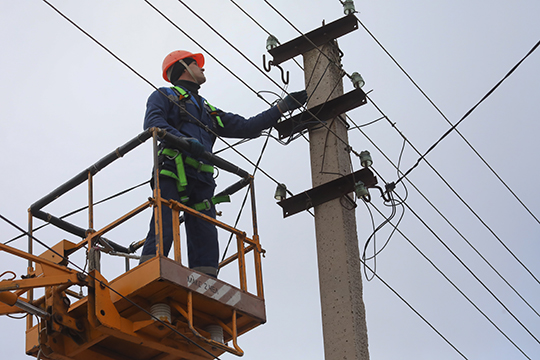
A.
x: 188, y: 85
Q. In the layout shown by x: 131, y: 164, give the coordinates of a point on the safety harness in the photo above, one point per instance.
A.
x: 182, y: 96
x: 181, y: 160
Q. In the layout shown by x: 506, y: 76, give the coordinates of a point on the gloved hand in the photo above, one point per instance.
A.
x: 292, y: 101
x: 197, y: 149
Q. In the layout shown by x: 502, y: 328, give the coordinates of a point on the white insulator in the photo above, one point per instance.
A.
x: 216, y: 332
x: 162, y: 312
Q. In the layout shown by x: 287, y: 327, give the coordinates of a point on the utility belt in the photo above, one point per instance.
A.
x: 181, y: 178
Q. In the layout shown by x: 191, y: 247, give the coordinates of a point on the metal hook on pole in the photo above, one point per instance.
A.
x: 284, y: 75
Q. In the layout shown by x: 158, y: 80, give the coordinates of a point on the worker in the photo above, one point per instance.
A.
x: 181, y: 111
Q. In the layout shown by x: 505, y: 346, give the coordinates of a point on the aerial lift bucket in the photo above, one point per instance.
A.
x: 160, y: 309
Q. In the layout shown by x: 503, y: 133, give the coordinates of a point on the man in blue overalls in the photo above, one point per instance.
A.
x: 185, y: 177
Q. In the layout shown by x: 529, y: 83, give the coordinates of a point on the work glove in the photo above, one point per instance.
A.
x: 197, y: 149
x: 292, y: 101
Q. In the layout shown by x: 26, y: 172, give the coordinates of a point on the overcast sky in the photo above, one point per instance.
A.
x: 66, y: 102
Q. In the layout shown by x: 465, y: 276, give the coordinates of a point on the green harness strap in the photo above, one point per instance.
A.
x: 205, y: 205
x: 214, y: 113
x: 181, y: 178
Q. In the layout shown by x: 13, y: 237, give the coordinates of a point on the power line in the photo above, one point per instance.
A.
x: 470, y: 271
x: 448, y: 121
x: 393, y: 125
x: 414, y: 310
x: 458, y: 196
x: 84, y: 208
x: 148, y: 82
x: 259, y: 25
x: 455, y: 286
x: 448, y: 221
x: 468, y: 113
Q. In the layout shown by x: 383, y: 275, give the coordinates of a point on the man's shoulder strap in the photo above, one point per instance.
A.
x: 176, y: 93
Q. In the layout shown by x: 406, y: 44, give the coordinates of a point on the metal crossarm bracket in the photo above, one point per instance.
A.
x: 326, y: 192
x: 320, y: 113
x: 317, y: 37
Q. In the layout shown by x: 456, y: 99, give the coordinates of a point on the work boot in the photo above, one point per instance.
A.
x: 208, y: 270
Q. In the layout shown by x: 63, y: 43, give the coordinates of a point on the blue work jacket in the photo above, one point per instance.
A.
x: 162, y: 112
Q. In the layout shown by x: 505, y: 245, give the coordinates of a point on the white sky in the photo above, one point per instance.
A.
x: 66, y: 103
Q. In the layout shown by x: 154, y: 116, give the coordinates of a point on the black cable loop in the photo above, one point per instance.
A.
x: 449, y: 122
x: 457, y: 195
x: 449, y: 223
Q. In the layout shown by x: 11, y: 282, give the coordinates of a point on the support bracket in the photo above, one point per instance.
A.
x: 317, y: 37
x: 326, y: 192
x: 321, y: 113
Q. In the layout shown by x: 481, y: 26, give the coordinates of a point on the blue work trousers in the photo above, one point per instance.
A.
x: 202, y: 240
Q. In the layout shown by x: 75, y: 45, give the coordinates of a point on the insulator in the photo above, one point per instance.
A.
x: 348, y: 7
x: 365, y: 159
x: 162, y: 312
x: 281, y: 192
x: 216, y: 332
x: 360, y: 189
x: 357, y: 80
x: 271, y: 42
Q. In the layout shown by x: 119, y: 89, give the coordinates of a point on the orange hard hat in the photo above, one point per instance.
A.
x: 179, y: 55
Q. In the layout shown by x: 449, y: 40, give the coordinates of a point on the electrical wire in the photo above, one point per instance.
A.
x: 413, y: 309
x: 152, y: 85
x: 83, y: 271
x: 452, y: 226
x: 244, y: 201
x: 455, y: 286
x: 373, y: 236
x: 457, y: 195
x: 468, y: 112
x: 84, y: 208
x: 405, y: 139
x: 470, y: 271
x: 381, y: 112
x: 448, y: 121
x: 259, y: 25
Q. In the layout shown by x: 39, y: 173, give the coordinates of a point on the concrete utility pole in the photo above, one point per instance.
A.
x: 340, y: 280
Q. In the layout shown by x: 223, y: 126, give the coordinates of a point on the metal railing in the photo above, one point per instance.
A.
x: 91, y: 237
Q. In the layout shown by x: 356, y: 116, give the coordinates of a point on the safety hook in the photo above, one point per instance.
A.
x: 284, y: 78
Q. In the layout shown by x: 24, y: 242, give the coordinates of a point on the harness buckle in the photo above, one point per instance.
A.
x: 199, y: 168
x: 207, y: 204
x: 175, y: 155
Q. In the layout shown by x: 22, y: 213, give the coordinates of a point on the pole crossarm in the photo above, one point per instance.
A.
x: 326, y: 192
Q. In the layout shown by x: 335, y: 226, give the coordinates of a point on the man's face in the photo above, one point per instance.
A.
x: 198, y: 73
